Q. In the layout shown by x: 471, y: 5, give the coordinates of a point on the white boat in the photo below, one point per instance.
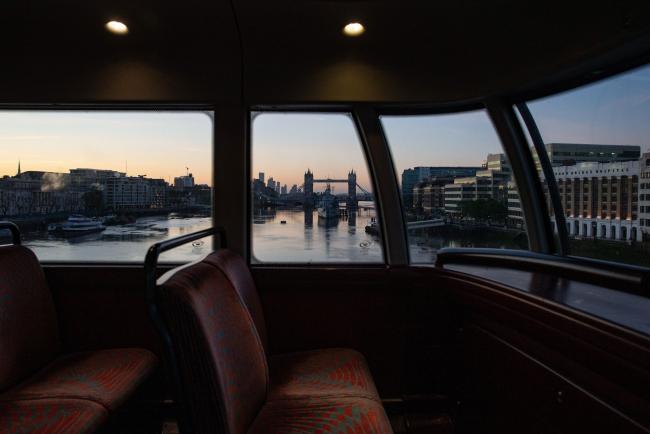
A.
x: 78, y: 224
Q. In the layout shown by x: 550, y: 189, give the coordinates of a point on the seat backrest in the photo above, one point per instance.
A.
x: 235, y: 269
x: 220, y: 356
x: 29, y: 336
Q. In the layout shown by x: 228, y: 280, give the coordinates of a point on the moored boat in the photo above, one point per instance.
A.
x: 328, y: 206
x: 373, y: 227
x: 77, y: 225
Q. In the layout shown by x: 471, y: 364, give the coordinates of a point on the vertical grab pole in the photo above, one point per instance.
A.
x: 551, y: 183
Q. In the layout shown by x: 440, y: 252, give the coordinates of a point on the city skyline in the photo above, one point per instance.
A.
x: 155, y: 144
x: 285, y: 145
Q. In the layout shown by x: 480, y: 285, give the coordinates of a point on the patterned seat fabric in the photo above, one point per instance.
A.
x: 236, y: 271
x: 29, y: 337
x: 220, y: 356
x: 106, y: 377
x: 320, y: 373
x: 213, y: 312
x: 224, y: 366
x: 40, y: 390
x: 51, y: 416
x: 308, y: 374
x: 320, y: 416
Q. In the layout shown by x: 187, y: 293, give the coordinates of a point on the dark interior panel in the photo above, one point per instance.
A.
x: 402, y: 327
x: 521, y: 353
x: 505, y: 390
x: 102, y: 307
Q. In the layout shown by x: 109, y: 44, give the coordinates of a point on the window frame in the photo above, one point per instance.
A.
x: 521, y: 101
x: 514, y: 144
x: 210, y: 109
x: 362, y: 134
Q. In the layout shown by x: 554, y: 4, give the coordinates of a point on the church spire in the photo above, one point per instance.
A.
x: 18, y: 174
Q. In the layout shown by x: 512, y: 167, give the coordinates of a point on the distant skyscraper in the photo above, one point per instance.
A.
x: 410, y: 177
x: 284, y: 189
x: 261, y: 177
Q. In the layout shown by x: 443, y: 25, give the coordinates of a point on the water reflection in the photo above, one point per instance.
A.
x: 300, y: 235
x: 424, y: 243
x: 123, y: 243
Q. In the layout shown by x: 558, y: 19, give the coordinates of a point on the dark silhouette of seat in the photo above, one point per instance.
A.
x: 229, y: 385
x: 42, y: 389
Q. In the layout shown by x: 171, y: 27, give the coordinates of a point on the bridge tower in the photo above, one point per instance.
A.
x: 352, y: 191
x: 309, y: 188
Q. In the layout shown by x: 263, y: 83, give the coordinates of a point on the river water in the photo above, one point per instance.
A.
x: 279, y: 236
x: 304, y: 238
x: 123, y: 243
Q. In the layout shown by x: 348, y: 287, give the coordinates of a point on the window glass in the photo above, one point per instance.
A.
x: 312, y: 198
x: 597, y: 138
x: 456, y: 183
x: 104, y: 186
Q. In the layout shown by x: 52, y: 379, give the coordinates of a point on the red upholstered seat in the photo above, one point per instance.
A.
x: 223, y: 364
x: 51, y: 416
x: 106, y: 377
x: 29, y: 333
x: 236, y: 271
x: 320, y: 416
x: 41, y: 388
x: 320, y: 373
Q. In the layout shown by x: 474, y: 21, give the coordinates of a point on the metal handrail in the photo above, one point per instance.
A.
x: 624, y: 277
x: 150, y: 266
x: 15, y: 231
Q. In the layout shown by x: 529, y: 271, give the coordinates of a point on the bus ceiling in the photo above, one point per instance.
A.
x: 295, y: 52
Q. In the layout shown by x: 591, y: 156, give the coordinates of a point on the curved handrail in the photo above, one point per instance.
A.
x: 150, y: 267
x: 15, y: 231
x: 624, y: 277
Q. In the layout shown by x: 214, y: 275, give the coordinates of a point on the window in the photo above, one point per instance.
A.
x: 608, y: 121
x: 102, y: 186
x: 312, y: 198
x: 456, y: 183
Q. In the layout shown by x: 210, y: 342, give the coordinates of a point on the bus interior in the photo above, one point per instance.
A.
x: 324, y: 216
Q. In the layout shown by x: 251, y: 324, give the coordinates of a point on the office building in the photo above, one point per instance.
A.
x: 644, y: 196
x: 410, y: 177
x: 600, y: 199
x: 135, y: 192
x: 566, y: 154
x: 181, y: 182
x: 486, y: 184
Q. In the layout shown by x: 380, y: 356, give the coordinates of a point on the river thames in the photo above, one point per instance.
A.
x: 278, y: 236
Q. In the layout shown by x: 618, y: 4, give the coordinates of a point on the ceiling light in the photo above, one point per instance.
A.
x: 117, y: 27
x: 354, y: 29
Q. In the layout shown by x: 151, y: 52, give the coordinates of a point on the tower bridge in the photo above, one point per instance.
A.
x: 352, y: 201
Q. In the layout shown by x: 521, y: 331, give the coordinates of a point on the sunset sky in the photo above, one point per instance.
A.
x: 163, y: 144
x: 156, y: 144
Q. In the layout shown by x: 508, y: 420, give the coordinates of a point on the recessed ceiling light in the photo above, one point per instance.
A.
x: 354, y: 29
x: 117, y: 27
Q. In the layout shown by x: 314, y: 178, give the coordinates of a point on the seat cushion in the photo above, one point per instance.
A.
x: 330, y: 372
x: 314, y: 416
x: 51, y: 416
x: 107, y: 377
x: 29, y: 337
